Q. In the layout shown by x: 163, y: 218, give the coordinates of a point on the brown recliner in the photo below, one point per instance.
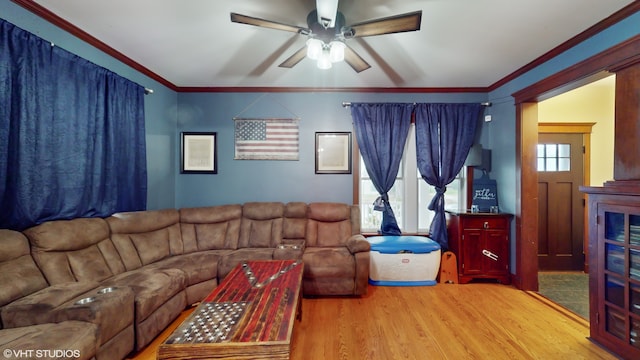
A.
x: 336, y: 256
x: 260, y: 233
x: 35, y: 315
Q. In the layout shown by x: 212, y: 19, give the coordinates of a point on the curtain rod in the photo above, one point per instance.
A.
x: 347, y: 104
x: 148, y: 91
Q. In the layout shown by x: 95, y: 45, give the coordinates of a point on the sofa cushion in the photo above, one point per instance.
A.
x: 329, y: 224
x: 151, y: 246
x: 19, y: 275
x: 232, y: 259
x: 152, y: 287
x: 74, y: 250
x: 261, y: 225
x: 330, y: 234
x: 262, y: 210
x: 325, y: 262
x: 329, y: 212
x: 295, y: 221
x: 213, y: 236
x: 198, y: 267
x: 210, y: 228
x: 77, y: 336
x: 144, y: 237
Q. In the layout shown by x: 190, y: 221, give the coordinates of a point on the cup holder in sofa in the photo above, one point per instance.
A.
x: 85, y: 301
x: 107, y: 290
x: 289, y: 249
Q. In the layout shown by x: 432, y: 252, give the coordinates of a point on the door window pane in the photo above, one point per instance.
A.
x: 550, y: 165
x: 564, y: 150
x: 564, y: 164
x: 550, y: 150
x: 554, y: 157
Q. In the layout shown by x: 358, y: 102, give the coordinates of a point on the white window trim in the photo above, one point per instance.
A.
x: 411, y: 188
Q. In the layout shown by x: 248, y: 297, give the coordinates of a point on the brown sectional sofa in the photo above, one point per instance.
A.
x: 141, y: 269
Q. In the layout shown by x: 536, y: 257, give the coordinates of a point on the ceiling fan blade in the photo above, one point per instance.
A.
x: 393, y: 24
x: 294, y: 59
x: 249, y: 20
x: 356, y: 61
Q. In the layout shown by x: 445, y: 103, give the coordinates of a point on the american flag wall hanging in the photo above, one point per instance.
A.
x: 266, y: 139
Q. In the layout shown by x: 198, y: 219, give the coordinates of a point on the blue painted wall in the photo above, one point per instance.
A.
x: 169, y: 113
x: 499, y: 135
x: 239, y: 181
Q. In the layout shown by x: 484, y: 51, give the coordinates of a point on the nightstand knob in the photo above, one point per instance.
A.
x: 486, y: 224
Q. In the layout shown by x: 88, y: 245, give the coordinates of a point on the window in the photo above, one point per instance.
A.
x: 554, y: 157
x: 409, y: 196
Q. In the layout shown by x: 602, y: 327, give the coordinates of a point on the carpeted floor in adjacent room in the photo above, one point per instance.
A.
x: 568, y: 289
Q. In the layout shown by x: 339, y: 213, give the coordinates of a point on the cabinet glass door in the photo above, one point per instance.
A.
x: 614, y: 226
x: 621, y: 277
x: 614, y: 255
x: 634, y: 266
x: 634, y: 229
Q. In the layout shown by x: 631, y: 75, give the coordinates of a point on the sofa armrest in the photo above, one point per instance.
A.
x: 357, y: 243
x: 110, y: 308
x: 40, y: 307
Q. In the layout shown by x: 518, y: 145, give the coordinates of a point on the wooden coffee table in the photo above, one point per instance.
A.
x: 249, y: 315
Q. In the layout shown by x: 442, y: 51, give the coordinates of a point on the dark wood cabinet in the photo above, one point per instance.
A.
x: 614, y: 267
x: 614, y: 227
x: 481, y: 244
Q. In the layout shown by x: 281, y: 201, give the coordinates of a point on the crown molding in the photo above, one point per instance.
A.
x: 593, y: 30
x: 341, y: 89
x: 586, y: 71
x: 84, y: 36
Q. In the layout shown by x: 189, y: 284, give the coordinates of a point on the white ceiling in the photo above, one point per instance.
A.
x: 462, y: 43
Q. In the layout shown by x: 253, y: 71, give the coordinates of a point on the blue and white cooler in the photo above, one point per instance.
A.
x: 403, y: 261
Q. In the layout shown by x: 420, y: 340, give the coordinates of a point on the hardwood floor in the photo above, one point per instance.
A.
x: 446, y: 321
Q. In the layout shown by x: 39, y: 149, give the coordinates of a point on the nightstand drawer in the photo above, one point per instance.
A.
x: 485, y: 222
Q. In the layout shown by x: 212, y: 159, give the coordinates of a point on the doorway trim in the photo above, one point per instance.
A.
x: 526, y: 103
x: 584, y: 128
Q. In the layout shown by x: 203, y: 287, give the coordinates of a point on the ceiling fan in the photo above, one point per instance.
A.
x: 327, y: 34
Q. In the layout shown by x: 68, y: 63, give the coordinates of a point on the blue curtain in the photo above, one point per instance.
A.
x: 444, y: 135
x: 72, y: 137
x: 381, y: 132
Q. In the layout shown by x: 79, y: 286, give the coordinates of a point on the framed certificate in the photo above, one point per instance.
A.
x: 198, y: 153
x: 333, y: 153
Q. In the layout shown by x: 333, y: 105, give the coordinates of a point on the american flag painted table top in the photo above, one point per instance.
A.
x: 251, y: 313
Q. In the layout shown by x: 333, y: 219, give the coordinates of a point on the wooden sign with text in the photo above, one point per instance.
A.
x: 485, y: 193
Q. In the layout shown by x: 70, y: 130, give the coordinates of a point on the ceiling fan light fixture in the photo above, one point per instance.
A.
x: 336, y: 52
x: 324, y: 61
x: 314, y: 48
